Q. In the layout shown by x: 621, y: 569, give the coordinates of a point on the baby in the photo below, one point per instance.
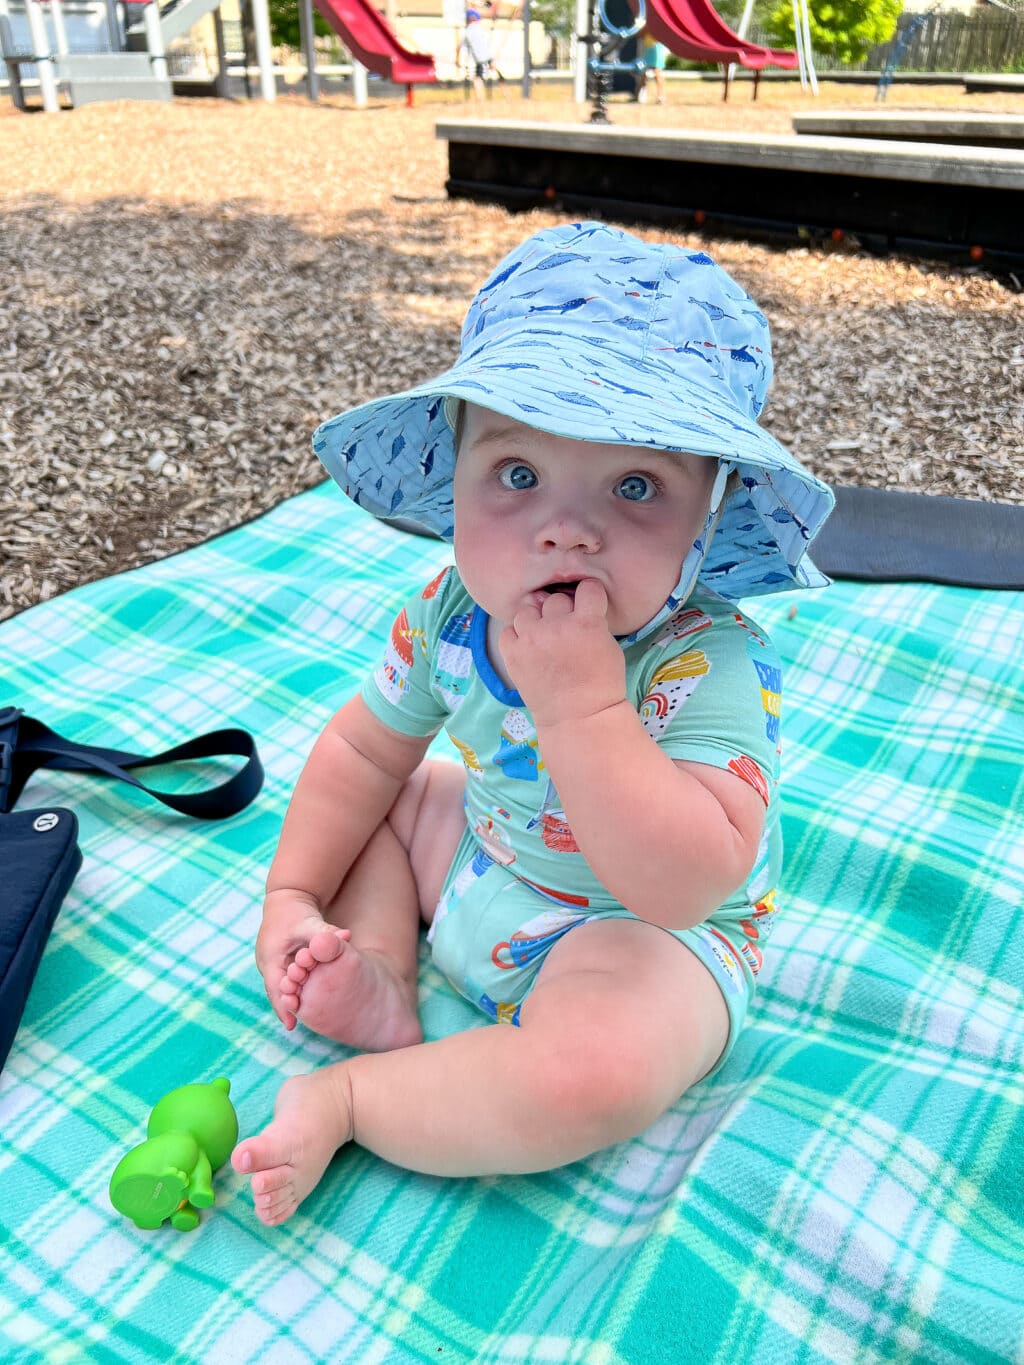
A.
x: 595, y: 456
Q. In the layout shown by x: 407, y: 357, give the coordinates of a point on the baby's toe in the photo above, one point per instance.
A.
x: 326, y: 945
x: 267, y: 1185
x: 277, y: 1214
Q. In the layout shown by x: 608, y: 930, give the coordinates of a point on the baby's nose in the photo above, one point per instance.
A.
x: 571, y: 531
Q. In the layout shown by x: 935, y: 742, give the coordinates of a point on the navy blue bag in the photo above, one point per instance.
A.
x: 39, y: 853
x: 39, y: 857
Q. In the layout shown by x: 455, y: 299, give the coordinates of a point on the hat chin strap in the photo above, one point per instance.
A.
x: 695, y: 556
x: 698, y: 552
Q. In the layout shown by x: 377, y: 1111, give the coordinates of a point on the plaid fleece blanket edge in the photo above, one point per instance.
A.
x: 847, y: 1189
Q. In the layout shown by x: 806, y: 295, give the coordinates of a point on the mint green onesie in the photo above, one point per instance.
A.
x: 707, y: 690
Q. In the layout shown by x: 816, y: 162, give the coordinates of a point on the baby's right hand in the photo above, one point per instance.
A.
x: 290, y: 919
x: 562, y: 658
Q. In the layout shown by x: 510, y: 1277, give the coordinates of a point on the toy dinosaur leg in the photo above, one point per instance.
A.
x: 184, y: 1217
x: 200, y: 1187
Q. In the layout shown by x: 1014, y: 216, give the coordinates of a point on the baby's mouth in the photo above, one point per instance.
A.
x: 569, y: 586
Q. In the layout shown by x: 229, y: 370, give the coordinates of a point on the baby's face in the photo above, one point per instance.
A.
x: 534, y: 510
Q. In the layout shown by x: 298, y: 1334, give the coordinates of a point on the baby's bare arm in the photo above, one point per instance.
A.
x: 670, y: 841
x: 351, y: 779
x: 349, y: 783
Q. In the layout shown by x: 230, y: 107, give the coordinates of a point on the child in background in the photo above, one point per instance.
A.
x: 655, y: 56
x: 598, y: 875
x: 477, y: 42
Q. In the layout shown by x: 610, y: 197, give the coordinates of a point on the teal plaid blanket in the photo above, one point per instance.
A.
x: 847, y: 1189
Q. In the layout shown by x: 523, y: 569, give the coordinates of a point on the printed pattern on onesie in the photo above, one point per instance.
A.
x: 707, y: 690
x: 749, y: 669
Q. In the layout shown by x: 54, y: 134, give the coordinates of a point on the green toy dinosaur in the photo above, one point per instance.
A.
x: 190, y: 1134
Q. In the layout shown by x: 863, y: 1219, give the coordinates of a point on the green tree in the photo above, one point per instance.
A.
x: 732, y: 11
x: 844, y: 29
x: 284, y: 24
x: 557, y: 16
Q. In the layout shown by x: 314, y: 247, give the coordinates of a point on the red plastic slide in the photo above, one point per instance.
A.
x: 695, y: 29
x: 371, y: 39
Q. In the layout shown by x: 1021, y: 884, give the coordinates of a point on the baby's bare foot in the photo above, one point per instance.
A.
x: 312, y: 1119
x: 352, y: 995
x: 324, y: 945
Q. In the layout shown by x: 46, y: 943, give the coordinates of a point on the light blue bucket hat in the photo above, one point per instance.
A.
x: 588, y: 332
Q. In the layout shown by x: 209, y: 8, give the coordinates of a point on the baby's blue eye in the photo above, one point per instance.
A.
x: 517, y: 476
x: 636, y: 488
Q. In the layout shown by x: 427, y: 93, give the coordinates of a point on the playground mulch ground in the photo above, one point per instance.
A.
x: 186, y: 290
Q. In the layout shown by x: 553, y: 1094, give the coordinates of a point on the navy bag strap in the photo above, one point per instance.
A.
x: 26, y: 744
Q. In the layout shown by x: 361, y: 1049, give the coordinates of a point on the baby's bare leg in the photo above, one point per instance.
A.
x: 622, y: 1021
x: 356, y: 983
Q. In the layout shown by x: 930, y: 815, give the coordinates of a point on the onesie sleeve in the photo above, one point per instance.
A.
x: 711, y: 693
x: 400, y: 690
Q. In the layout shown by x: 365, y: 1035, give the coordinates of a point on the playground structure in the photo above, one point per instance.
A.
x: 688, y: 28
x: 694, y: 29
x: 135, y: 64
x: 33, y: 36
x: 899, y: 48
x: 372, y: 41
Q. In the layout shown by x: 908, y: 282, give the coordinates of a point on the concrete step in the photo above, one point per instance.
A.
x: 94, y: 77
x: 1007, y: 81
x: 933, y: 125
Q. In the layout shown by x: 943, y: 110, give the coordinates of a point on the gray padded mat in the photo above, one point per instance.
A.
x: 882, y: 535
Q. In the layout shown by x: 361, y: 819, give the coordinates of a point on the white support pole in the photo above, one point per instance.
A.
x: 307, y: 34
x: 113, y: 25
x: 60, y: 33
x: 14, y: 86
x: 579, y: 78
x: 808, y: 50
x: 525, y: 10
x: 264, y: 55
x: 799, y: 36
x: 154, y: 40
x: 222, y: 83
x: 43, y: 56
x: 360, y: 91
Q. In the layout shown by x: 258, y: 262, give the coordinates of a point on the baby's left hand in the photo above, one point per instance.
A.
x: 563, y: 659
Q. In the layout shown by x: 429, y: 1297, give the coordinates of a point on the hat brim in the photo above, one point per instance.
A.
x: 395, y: 456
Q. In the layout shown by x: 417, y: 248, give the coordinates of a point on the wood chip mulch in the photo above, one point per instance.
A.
x: 186, y: 290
